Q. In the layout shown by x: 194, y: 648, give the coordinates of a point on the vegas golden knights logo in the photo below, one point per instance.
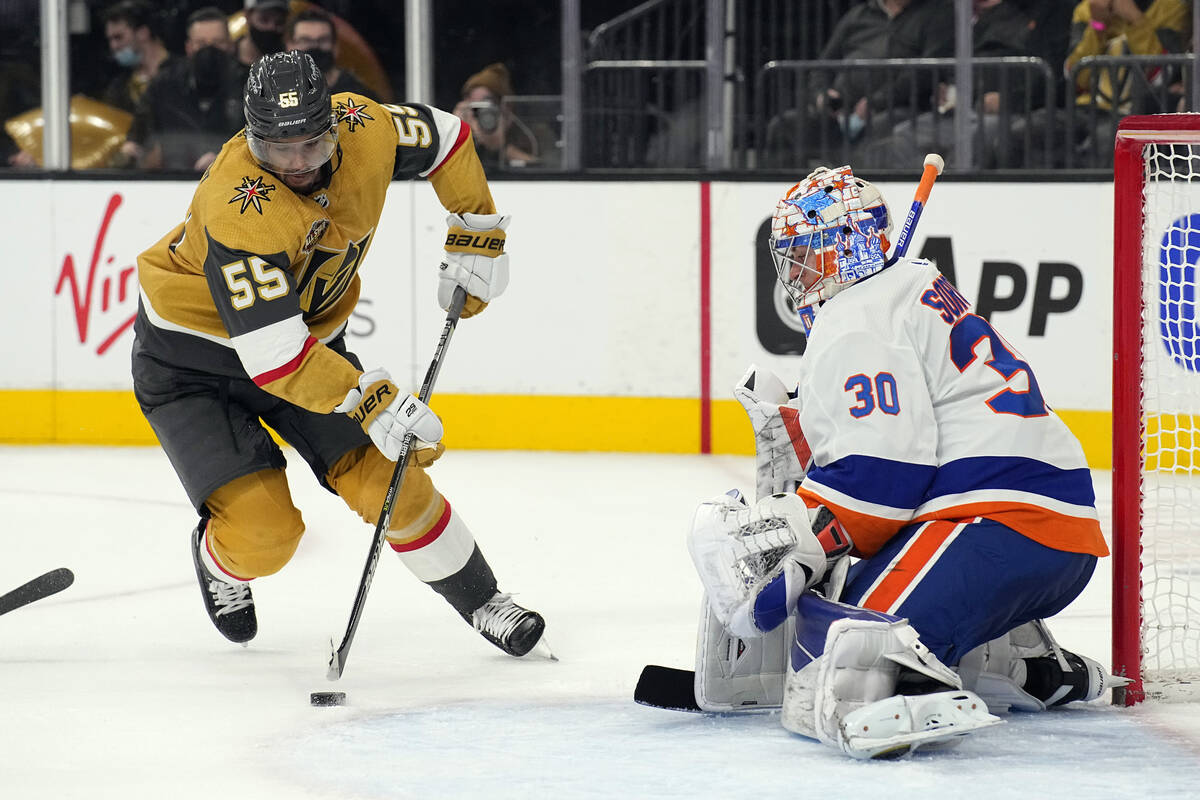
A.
x: 328, y: 273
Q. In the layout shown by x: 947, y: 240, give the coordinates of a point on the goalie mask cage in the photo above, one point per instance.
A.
x: 1156, y: 408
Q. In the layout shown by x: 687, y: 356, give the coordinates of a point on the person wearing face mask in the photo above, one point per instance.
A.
x: 312, y: 31
x: 194, y: 105
x: 137, y: 49
x: 264, y: 30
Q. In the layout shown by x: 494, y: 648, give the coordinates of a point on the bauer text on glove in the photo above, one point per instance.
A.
x: 475, y: 260
x: 387, y: 414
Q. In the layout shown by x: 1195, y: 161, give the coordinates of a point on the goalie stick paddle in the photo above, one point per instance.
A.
x: 933, y: 167
x: 337, y: 660
x: 667, y: 687
x: 52, y: 582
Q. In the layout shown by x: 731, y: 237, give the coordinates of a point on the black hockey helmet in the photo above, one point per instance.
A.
x: 290, y: 125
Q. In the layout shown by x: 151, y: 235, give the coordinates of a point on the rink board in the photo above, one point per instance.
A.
x: 630, y: 313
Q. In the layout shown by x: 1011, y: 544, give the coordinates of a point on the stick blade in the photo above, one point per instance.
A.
x: 666, y: 687
x: 335, y: 663
x: 40, y: 587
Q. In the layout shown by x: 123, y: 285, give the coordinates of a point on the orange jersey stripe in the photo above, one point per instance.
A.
x: 869, y: 533
x: 1056, y: 531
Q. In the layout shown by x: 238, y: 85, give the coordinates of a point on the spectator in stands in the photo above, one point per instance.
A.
x: 1117, y: 28
x: 136, y: 47
x: 312, y: 31
x: 501, y: 139
x: 859, y: 106
x: 265, y: 21
x: 999, y: 29
x: 195, y: 104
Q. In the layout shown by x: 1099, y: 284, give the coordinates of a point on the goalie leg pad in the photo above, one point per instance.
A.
x: 845, y: 669
x: 739, y: 674
x: 1026, y: 670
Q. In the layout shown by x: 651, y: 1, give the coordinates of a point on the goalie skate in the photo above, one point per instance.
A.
x: 903, y: 723
x: 515, y: 630
x: 230, y: 605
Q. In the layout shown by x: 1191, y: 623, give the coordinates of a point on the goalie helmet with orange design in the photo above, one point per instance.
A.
x: 829, y: 231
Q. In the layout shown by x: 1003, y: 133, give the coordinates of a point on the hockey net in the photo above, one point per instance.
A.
x: 1156, y: 408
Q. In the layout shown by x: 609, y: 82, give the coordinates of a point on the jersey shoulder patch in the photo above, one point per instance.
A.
x: 247, y: 208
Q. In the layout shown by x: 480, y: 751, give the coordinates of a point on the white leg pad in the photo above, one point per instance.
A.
x: 739, y: 674
x: 997, y: 670
x: 852, y: 684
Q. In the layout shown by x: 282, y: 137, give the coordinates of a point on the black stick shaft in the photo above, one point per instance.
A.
x: 337, y: 661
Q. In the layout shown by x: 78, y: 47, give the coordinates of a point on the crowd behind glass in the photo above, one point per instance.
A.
x: 156, y: 87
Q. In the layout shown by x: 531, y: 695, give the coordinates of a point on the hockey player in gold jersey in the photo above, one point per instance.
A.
x: 241, y: 322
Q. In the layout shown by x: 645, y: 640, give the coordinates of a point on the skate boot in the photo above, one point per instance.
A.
x: 230, y: 605
x: 513, y: 629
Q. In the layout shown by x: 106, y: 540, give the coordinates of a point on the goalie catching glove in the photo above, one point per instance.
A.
x: 739, y: 549
x: 387, y: 416
x: 475, y: 260
x: 782, y: 455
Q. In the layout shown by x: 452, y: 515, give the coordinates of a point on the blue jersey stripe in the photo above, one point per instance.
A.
x: 1014, y: 473
x: 880, y: 481
x: 900, y: 485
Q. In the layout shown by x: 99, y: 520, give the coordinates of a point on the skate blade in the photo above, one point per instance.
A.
x: 542, y: 648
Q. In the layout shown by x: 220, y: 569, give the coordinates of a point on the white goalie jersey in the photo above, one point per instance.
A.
x: 917, y: 409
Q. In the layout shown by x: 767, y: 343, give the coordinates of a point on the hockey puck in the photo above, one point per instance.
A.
x: 327, y: 698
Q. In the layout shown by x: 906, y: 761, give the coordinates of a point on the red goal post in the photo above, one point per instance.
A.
x: 1156, y: 407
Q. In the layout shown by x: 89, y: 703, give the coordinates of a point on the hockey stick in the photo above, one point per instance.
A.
x: 933, y: 167
x: 667, y: 687
x: 52, y: 582
x: 337, y: 660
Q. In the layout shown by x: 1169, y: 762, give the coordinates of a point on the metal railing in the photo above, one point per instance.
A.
x: 911, y: 109
x: 643, y: 113
x: 1117, y: 86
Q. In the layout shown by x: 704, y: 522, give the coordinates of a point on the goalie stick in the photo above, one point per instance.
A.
x: 337, y: 659
x: 933, y: 167
x: 667, y: 687
x: 52, y: 582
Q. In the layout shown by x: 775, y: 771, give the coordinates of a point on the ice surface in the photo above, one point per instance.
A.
x: 119, y: 687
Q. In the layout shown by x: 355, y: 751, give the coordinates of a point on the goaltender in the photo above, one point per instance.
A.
x: 242, y: 319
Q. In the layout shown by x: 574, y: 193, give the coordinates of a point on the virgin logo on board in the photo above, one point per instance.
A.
x: 106, y: 292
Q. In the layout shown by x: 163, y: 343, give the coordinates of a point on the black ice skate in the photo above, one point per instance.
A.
x: 230, y: 606
x: 513, y: 629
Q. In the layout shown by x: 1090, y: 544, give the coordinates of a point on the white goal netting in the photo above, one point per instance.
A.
x: 1170, y: 497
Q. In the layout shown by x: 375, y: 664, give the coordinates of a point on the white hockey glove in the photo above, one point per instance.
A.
x: 782, y: 455
x: 387, y: 415
x: 739, y: 549
x: 475, y: 260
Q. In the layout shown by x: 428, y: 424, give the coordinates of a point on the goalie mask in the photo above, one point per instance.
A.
x: 829, y: 230
x: 290, y: 124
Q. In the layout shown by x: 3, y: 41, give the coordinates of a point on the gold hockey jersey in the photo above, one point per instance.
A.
x: 258, y: 277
